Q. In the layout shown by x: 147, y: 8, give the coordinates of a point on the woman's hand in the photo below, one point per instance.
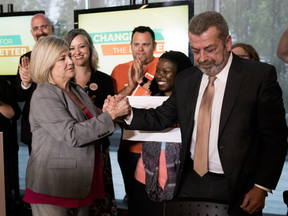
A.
x: 109, y: 104
x: 117, y: 106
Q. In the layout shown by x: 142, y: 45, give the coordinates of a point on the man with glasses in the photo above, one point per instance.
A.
x: 41, y: 26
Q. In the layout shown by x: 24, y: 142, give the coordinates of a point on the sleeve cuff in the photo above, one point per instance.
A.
x: 24, y: 87
x: 128, y: 122
x: 263, y: 188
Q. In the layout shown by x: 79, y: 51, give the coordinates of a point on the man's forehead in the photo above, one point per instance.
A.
x: 39, y: 20
x: 139, y: 36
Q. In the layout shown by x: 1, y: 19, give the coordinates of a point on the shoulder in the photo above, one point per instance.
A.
x: 28, y: 54
x: 100, y: 76
x: 189, y: 73
x: 45, y: 90
x: 250, y: 66
x: 122, y: 67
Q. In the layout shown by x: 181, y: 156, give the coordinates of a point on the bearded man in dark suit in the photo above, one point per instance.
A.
x: 247, y: 138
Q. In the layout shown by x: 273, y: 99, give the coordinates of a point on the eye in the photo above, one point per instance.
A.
x: 71, y: 48
x: 195, y: 51
x: 82, y: 46
x: 210, y: 50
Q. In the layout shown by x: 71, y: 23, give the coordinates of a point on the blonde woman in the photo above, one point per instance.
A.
x: 64, y: 173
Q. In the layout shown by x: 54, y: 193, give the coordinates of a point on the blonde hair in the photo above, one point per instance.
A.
x: 93, y: 58
x: 44, y: 55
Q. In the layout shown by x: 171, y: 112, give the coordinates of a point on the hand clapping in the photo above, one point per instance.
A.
x: 24, y: 71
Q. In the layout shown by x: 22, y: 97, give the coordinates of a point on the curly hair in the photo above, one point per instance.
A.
x: 179, y: 59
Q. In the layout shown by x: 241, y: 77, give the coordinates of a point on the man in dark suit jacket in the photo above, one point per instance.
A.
x: 248, y: 133
x: 41, y: 26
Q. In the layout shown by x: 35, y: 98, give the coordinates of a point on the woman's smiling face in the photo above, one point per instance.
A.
x: 165, y: 76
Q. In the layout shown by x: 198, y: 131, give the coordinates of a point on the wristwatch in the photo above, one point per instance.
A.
x: 144, y: 80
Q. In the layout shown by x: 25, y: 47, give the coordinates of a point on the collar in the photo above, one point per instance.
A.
x: 223, y: 75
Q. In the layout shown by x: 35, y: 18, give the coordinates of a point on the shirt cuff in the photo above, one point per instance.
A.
x: 263, y: 188
x: 128, y: 122
x: 24, y: 87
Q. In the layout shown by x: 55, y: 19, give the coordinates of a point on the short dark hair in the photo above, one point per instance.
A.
x: 143, y: 29
x: 252, y: 53
x: 202, y: 22
x: 179, y: 59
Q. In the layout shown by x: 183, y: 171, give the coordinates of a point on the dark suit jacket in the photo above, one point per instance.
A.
x: 252, y: 141
x: 9, y: 133
x: 23, y: 95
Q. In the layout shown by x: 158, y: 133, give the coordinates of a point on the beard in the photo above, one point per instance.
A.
x: 41, y: 35
x: 215, y: 68
x: 212, y: 70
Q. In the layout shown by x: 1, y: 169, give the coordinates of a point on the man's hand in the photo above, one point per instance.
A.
x: 24, y: 71
x: 132, y: 84
x: 138, y: 75
x: 254, y: 200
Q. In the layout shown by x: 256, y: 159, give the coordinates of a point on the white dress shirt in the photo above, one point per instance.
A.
x: 214, y: 164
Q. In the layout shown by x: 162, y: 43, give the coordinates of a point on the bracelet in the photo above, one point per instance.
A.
x: 144, y: 80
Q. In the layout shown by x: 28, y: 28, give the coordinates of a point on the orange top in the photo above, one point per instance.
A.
x: 162, y: 172
x: 120, y: 81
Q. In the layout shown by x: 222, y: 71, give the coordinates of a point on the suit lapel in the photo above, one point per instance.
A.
x: 78, y: 91
x: 192, y: 91
x: 233, y: 85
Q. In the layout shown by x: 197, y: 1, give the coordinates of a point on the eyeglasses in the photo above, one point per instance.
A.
x: 41, y: 27
x: 244, y: 56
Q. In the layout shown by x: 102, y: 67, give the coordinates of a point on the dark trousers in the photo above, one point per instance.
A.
x: 211, y: 186
x: 141, y: 205
x: 128, y: 162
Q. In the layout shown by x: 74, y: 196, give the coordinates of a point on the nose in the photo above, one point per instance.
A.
x: 141, y: 48
x: 69, y: 61
x: 202, y: 56
x: 77, y: 50
x: 160, y: 74
x: 39, y: 30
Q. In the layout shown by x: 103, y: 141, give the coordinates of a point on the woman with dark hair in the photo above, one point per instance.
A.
x: 154, y: 181
x: 98, y: 86
x: 245, y: 51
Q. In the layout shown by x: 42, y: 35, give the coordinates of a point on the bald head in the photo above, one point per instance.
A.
x: 41, y: 26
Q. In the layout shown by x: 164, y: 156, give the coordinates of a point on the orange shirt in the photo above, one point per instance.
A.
x: 120, y: 81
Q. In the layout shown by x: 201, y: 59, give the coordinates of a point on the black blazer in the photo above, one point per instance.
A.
x: 25, y: 96
x: 252, y: 141
x: 9, y: 132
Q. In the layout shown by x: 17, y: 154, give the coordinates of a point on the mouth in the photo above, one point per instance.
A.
x: 41, y: 36
x: 78, y: 57
x: 205, y: 66
x: 160, y: 83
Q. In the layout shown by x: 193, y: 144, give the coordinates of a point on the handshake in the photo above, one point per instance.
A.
x: 118, y: 106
